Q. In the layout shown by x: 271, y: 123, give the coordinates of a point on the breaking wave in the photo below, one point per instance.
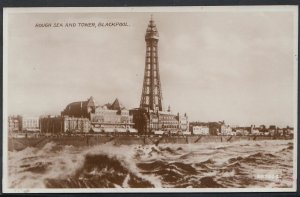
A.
x: 209, y: 165
x: 110, y: 172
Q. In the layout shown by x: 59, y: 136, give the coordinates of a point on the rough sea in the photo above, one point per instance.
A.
x: 244, y: 164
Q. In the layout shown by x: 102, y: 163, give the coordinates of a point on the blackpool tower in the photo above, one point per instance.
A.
x: 151, y: 95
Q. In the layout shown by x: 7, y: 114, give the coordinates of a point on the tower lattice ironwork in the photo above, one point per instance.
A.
x: 151, y: 95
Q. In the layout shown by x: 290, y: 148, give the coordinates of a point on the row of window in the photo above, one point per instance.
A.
x: 113, y: 122
x: 76, y: 123
x: 10, y: 121
x: 156, y: 126
x: 168, y: 117
x: 31, y: 122
x: 169, y: 122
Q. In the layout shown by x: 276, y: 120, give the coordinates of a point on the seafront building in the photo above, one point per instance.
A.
x: 112, y: 118
x: 30, y: 124
x: 14, y: 123
x: 64, y: 124
x: 23, y: 123
x: 75, y: 118
x: 255, y: 130
x: 87, y: 117
x: 213, y: 127
x: 200, y: 130
x: 164, y: 121
x: 226, y: 130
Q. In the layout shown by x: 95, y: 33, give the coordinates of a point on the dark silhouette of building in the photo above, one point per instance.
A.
x: 64, y: 124
x: 81, y: 109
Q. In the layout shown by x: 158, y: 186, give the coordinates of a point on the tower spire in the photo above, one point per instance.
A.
x: 151, y: 94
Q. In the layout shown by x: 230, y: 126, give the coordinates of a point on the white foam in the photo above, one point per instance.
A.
x: 66, y: 161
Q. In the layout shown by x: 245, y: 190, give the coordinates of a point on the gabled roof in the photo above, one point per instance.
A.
x: 91, y: 102
x: 117, y: 105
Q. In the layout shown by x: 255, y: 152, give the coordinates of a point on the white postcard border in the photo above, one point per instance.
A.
x: 7, y: 11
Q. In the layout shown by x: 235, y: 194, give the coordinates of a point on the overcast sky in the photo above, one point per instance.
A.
x: 232, y: 66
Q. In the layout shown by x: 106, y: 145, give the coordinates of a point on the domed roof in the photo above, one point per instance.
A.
x: 79, y: 109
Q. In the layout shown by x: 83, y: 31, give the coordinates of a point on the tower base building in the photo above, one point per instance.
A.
x: 150, y: 122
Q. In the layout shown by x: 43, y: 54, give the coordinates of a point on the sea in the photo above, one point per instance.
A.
x: 243, y: 164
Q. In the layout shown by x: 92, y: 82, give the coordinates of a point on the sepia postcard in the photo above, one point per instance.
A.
x: 150, y: 99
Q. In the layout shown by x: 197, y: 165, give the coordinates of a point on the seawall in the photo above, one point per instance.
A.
x: 81, y: 141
